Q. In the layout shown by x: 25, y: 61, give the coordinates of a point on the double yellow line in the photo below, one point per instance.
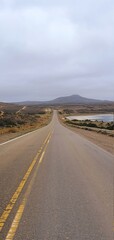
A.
x: 18, y: 191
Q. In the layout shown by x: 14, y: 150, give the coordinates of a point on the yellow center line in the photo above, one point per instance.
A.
x: 18, y: 216
x: 15, y: 223
x: 18, y: 191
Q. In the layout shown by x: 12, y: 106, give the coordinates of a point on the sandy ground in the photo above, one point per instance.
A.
x: 101, y: 140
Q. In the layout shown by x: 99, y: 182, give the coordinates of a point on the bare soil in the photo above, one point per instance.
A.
x: 104, y: 141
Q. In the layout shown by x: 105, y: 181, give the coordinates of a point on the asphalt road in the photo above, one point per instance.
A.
x: 55, y: 185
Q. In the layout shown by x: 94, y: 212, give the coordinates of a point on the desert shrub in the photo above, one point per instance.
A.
x: 60, y: 112
x: 21, y: 122
x: 12, y: 130
x: 74, y: 120
x: 68, y: 111
x: 85, y: 123
x: 7, y: 122
x: 111, y: 127
x: 70, y: 122
x: 86, y: 128
x: 41, y: 112
x: 1, y: 123
x: 90, y: 124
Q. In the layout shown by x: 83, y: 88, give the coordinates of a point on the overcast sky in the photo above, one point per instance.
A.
x: 55, y: 48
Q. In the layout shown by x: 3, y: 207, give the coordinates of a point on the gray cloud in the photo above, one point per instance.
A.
x: 52, y: 48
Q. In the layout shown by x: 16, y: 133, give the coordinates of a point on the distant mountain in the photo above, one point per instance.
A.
x: 73, y: 99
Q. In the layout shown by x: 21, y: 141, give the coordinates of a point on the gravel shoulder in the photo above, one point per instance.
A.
x: 104, y: 141
x: 101, y: 140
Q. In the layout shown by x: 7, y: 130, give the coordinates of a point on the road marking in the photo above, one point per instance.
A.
x: 11, y: 140
x: 18, y: 216
x: 16, y: 221
x: 18, y: 191
x: 41, y: 157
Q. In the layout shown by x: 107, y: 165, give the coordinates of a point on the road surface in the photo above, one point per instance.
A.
x: 55, y: 185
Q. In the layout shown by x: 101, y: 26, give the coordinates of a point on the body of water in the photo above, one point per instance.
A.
x: 98, y: 117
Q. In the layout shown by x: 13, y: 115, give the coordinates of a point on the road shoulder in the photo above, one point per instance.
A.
x: 104, y: 141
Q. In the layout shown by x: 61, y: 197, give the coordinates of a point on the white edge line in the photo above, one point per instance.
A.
x: 95, y: 145
x: 11, y: 140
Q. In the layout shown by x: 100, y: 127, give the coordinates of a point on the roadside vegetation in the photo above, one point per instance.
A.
x: 106, y: 128
x: 14, y: 118
x: 92, y: 124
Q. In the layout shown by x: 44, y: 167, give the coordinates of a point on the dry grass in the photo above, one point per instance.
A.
x: 17, y: 120
x: 82, y: 109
